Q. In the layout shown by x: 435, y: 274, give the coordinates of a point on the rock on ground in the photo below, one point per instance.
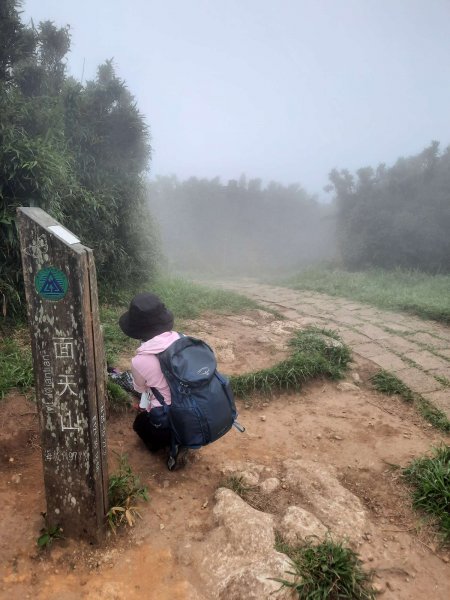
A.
x: 239, y: 553
x: 335, y: 506
x: 298, y: 525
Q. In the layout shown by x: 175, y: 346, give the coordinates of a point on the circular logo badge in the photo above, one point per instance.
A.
x: 51, y: 283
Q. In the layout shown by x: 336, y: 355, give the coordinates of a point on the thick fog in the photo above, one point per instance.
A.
x: 281, y: 91
x: 252, y: 104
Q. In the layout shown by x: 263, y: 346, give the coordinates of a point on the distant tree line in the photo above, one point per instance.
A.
x: 78, y: 151
x: 397, y: 216
x: 240, y: 227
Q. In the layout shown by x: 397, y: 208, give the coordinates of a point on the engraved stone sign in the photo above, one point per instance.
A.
x: 69, y: 372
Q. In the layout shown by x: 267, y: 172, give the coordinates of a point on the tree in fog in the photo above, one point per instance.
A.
x: 397, y: 216
x: 79, y: 152
x: 239, y: 227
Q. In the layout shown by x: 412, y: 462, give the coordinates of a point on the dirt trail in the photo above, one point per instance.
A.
x: 352, y: 428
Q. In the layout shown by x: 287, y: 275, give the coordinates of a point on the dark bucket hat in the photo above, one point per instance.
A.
x: 146, y: 317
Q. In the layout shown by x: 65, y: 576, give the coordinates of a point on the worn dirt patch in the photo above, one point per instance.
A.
x: 357, y: 431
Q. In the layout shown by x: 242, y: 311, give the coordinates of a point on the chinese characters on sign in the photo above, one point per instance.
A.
x: 56, y: 399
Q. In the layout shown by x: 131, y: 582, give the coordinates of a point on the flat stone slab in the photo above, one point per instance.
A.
x: 352, y: 337
x: 418, y: 381
x: 397, y: 326
x: 441, y: 399
x: 353, y: 306
x: 368, y: 350
x: 444, y: 372
x: 389, y: 361
x: 430, y: 340
x: 373, y: 332
x: 427, y: 360
x: 400, y: 344
x: 347, y: 320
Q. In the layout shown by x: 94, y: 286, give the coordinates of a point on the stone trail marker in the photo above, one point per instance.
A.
x: 69, y: 371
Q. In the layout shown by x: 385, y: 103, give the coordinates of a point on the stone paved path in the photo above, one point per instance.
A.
x: 416, y: 351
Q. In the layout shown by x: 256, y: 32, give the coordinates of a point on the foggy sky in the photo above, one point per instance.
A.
x: 283, y: 90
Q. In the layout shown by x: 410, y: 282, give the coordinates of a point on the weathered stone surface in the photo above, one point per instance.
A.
x: 356, y: 377
x: 353, y: 307
x: 368, y: 350
x: 255, y: 533
x: 255, y: 582
x: 398, y: 326
x: 418, y: 381
x: 346, y: 386
x: 249, y: 477
x: 399, y: 344
x: 351, y: 337
x: 347, y: 319
x: 373, y: 332
x: 298, y: 524
x: 330, y: 342
x: 427, y: 360
x: 269, y: 485
x: 224, y: 349
x: 238, y: 556
x: 282, y: 327
x: 388, y: 361
x: 429, y: 340
x: 248, y: 472
x: 440, y: 398
x: 444, y: 372
x: 335, y: 506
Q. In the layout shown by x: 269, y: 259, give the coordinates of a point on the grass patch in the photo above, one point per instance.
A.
x: 389, y: 384
x: 326, y: 570
x: 443, y: 380
x: 315, y: 352
x: 422, y: 294
x: 187, y: 300
x: 430, y: 480
x: 124, y: 491
x: 16, y: 366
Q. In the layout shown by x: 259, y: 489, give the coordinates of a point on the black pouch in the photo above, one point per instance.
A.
x: 154, y: 437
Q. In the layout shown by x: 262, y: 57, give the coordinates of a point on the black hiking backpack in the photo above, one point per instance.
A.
x: 203, y: 407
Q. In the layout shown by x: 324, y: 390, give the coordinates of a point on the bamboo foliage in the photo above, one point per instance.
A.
x: 77, y: 151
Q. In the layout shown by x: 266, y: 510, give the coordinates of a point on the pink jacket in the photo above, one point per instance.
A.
x: 146, y: 369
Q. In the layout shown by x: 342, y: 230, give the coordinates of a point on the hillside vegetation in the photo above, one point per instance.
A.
x: 79, y: 151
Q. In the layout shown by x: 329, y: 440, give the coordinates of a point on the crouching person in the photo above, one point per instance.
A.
x: 186, y: 403
x: 148, y: 320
